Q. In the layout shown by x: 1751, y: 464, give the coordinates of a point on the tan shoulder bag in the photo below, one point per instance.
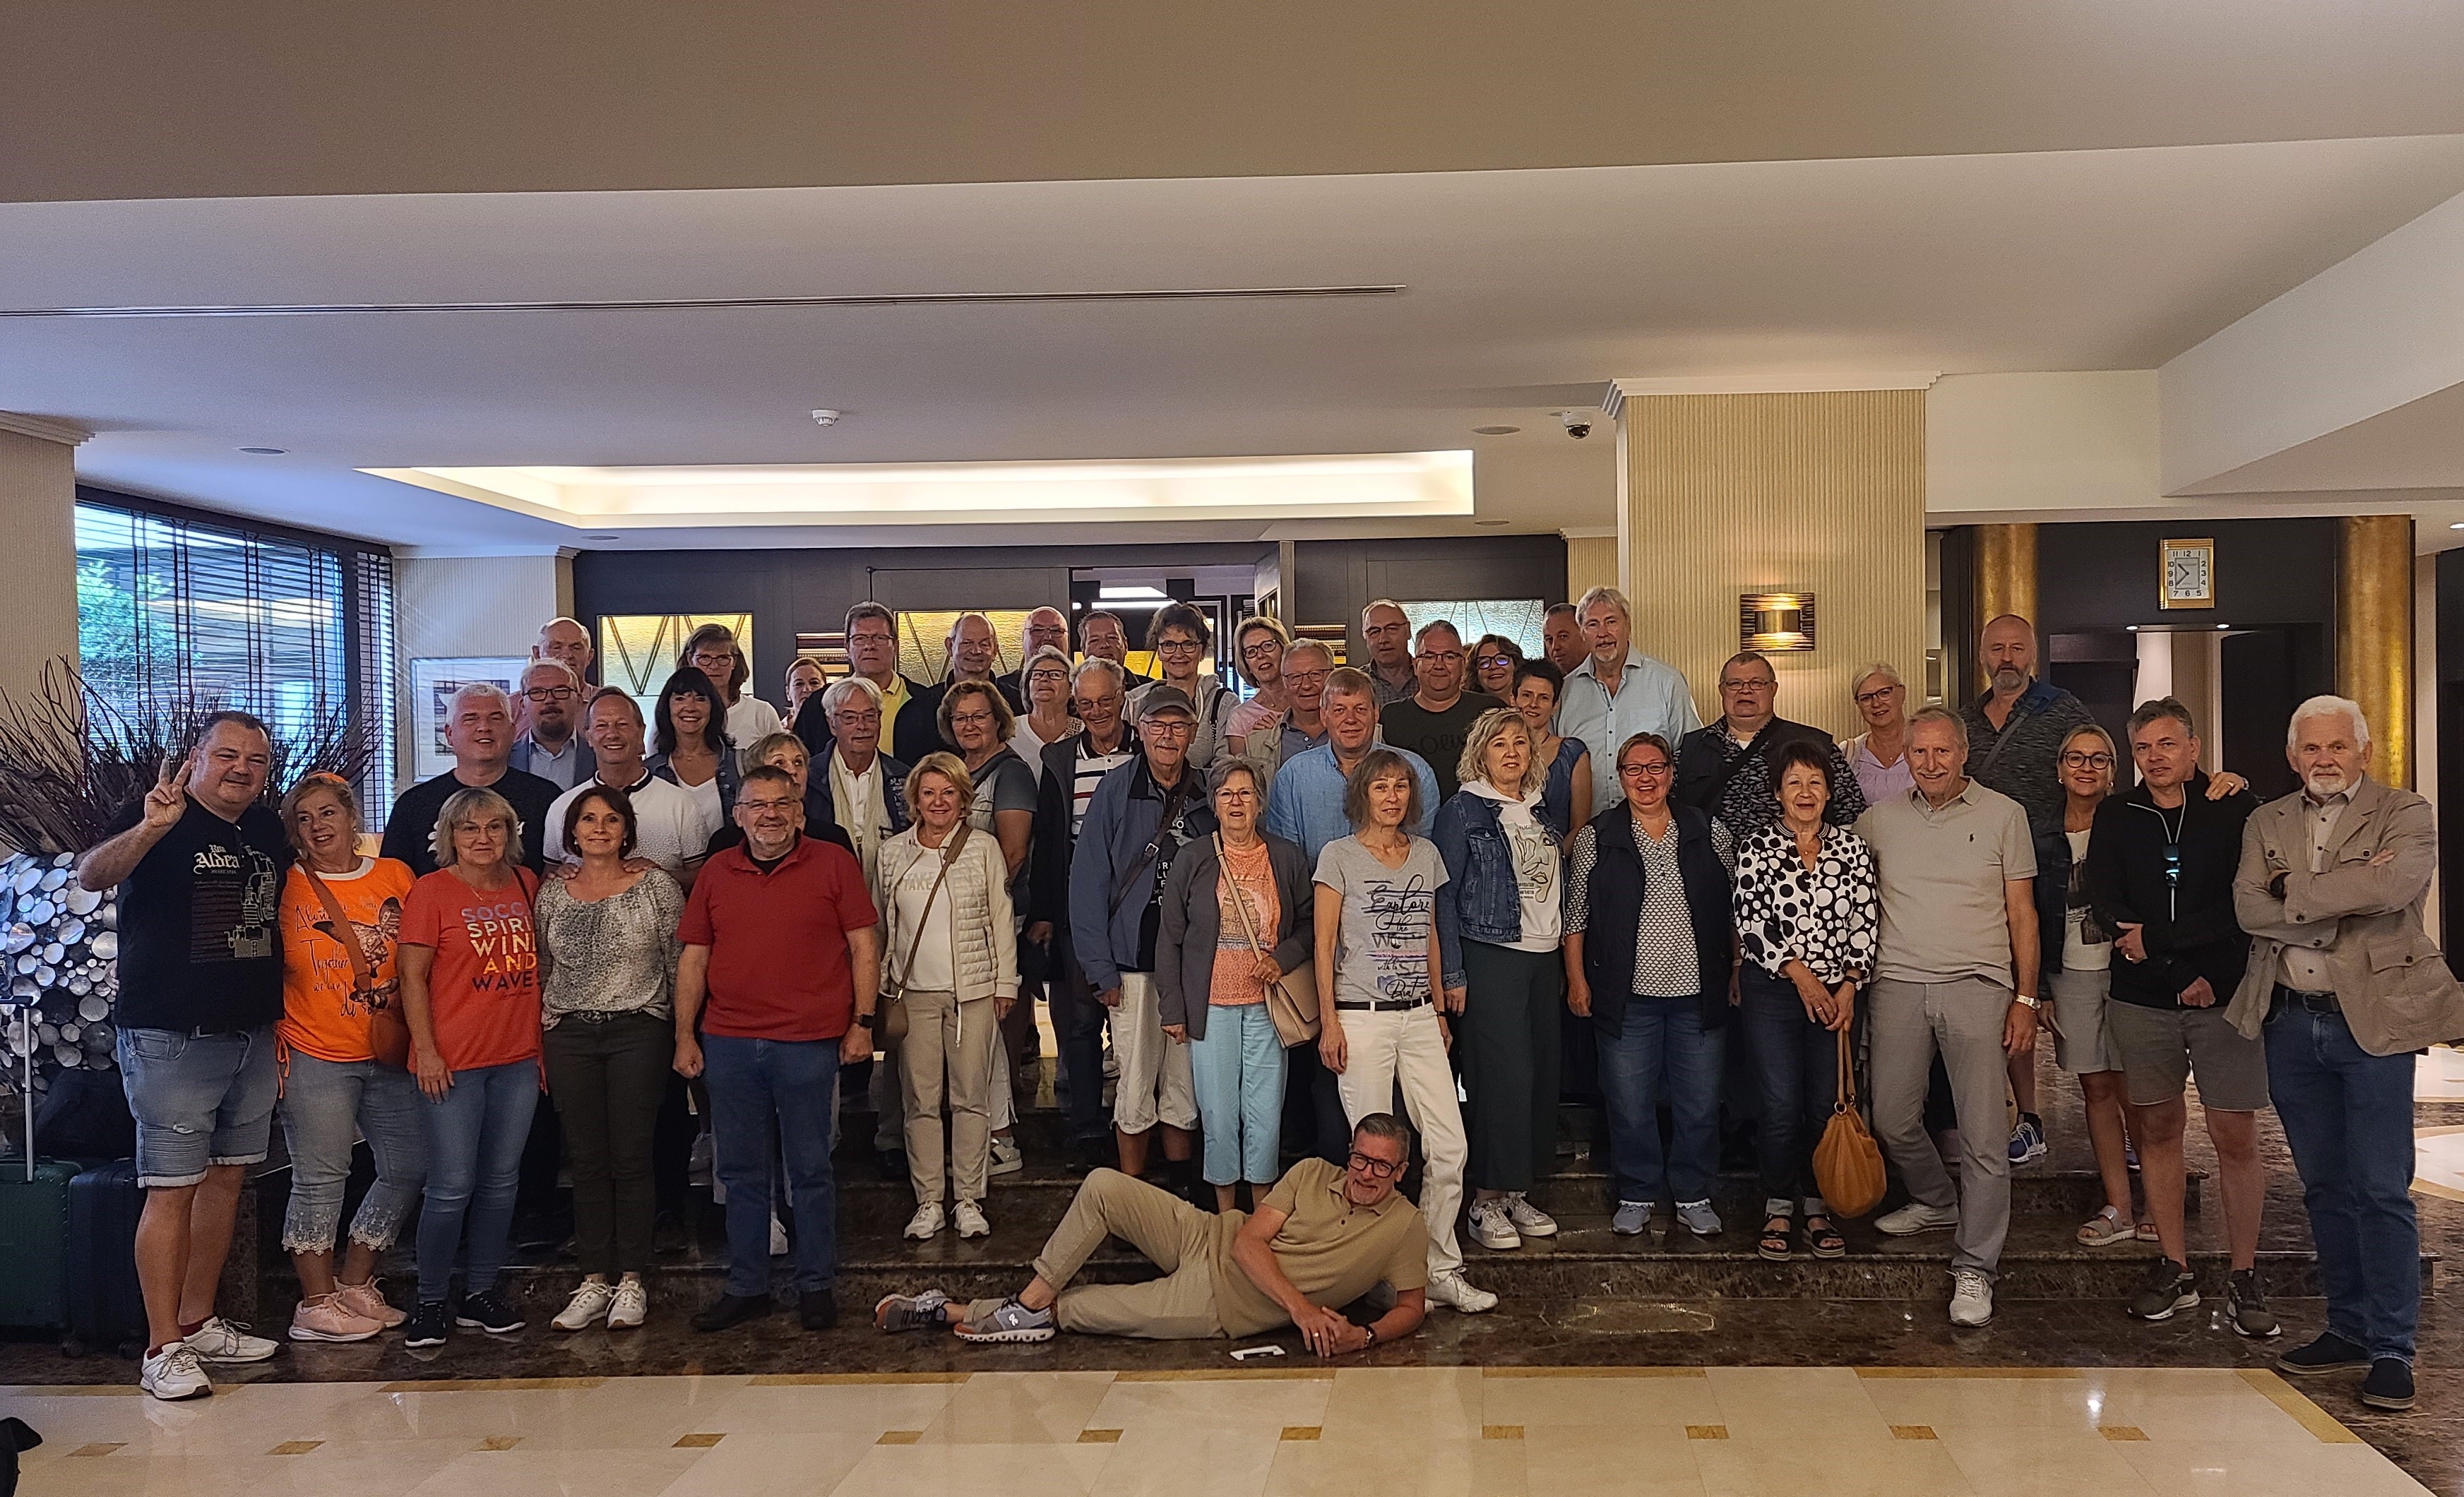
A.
x: 891, y: 1025
x: 1291, y: 1000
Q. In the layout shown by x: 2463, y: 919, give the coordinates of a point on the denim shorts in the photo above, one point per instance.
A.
x: 199, y: 1100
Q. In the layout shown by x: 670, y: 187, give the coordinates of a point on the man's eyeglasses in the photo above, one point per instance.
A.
x: 1306, y: 677
x: 1165, y: 727
x: 1445, y: 656
x: 758, y: 807
x: 2077, y: 760
x: 869, y: 718
x: 1764, y: 684
x: 550, y: 693
x: 1375, y: 1168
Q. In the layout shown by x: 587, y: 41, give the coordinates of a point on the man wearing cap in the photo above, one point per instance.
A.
x: 1140, y: 816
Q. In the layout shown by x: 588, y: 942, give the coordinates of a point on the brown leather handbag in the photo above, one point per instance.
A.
x: 889, y: 1023
x: 1292, y: 1000
x: 1847, y: 1164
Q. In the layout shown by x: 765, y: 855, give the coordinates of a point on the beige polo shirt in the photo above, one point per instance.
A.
x: 1331, y: 1250
x: 1942, y: 870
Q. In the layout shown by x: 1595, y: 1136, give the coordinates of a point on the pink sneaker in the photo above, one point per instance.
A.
x: 368, y: 1302
x: 327, y: 1319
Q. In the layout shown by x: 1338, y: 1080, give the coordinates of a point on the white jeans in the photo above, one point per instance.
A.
x: 1156, y: 1083
x: 1405, y: 1047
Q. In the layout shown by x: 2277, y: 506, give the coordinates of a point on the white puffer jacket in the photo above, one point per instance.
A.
x: 977, y: 895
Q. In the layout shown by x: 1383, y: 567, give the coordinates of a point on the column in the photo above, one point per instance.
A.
x: 1806, y: 491
x: 2374, y: 635
x: 39, y: 564
x: 1591, y: 561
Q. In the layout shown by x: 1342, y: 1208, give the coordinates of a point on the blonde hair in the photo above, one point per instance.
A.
x: 472, y: 805
x: 1487, y: 729
x: 950, y: 767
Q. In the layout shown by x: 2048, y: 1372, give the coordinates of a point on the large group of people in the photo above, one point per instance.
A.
x: 1497, y: 882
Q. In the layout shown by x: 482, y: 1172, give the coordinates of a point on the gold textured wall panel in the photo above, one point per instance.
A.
x: 1821, y: 492
x: 1591, y: 561
x: 2374, y: 635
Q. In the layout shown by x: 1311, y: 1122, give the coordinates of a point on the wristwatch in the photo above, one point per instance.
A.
x: 1371, y: 1331
x: 866, y: 1019
x: 2031, y: 1002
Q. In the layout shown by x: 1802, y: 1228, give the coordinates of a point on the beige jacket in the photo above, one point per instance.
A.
x: 2395, y: 988
x: 977, y: 893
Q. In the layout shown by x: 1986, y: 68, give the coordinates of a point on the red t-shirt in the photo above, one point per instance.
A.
x: 777, y: 941
x: 483, y: 990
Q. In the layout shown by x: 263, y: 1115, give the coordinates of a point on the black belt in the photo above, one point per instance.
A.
x: 1386, y: 1006
x: 2315, y: 1002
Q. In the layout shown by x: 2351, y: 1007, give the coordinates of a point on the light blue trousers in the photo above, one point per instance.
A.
x: 1238, y: 1072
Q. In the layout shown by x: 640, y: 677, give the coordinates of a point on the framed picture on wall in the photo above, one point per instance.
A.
x: 433, y: 681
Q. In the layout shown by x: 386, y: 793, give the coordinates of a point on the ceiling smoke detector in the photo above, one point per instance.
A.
x: 827, y: 417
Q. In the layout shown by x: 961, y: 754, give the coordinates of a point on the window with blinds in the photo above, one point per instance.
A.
x: 176, y: 608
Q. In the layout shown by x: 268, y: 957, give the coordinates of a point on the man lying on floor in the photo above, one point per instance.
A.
x: 1322, y: 1238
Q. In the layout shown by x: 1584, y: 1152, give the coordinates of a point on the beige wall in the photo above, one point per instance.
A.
x: 38, y: 566
x: 471, y: 605
x: 1591, y: 561
x: 1821, y: 492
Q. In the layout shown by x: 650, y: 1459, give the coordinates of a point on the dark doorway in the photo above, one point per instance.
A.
x: 2262, y: 681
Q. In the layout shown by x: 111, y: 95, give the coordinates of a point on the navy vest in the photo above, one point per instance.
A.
x: 1616, y: 909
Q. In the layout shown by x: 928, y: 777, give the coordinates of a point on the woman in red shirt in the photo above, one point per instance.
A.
x: 470, y: 992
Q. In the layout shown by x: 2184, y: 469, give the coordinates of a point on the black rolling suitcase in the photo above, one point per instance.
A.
x: 106, y: 1309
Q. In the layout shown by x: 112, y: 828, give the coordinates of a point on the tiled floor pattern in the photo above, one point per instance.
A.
x: 1894, y: 1432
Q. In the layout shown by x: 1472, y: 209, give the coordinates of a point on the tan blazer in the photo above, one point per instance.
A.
x: 2393, y: 985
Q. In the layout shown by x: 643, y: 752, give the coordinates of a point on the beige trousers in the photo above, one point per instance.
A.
x: 1169, y: 1232
x: 947, y: 1055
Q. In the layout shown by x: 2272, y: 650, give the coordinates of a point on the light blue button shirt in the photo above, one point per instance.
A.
x: 1305, y: 804
x: 1651, y: 697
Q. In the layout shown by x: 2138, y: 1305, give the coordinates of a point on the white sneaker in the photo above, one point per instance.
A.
x: 1971, y: 1297
x: 174, y: 1372
x: 1493, y: 1228
x: 220, y: 1340
x: 1527, y: 1219
x: 970, y: 1219
x: 926, y: 1222
x: 589, y: 1304
x: 630, y: 1307
x: 777, y: 1236
x: 1917, y: 1217
x: 1007, y: 1158
x: 1452, y: 1288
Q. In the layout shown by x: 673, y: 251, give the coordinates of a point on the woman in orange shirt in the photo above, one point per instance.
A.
x: 341, y: 919
x: 470, y: 990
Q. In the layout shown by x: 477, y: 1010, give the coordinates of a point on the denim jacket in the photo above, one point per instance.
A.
x: 1481, y: 890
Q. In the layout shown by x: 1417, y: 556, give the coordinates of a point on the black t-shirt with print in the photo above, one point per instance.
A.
x: 199, y: 944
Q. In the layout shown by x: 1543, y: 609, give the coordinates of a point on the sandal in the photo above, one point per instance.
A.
x: 1824, y: 1240
x: 2104, y: 1229
x: 1774, y: 1241
x: 2145, y: 1232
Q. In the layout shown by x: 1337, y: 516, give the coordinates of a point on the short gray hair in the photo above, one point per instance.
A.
x: 1608, y: 595
x: 1219, y: 774
x: 551, y: 663
x: 1120, y: 677
x: 1385, y: 1125
x: 487, y: 688
x: 470, y: 806
x: 2329, y: 707
x: 1324, y: 651
x: 1935, y: 712
x: 835, y: 694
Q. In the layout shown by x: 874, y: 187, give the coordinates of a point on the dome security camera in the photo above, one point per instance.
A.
x: 1578, y: 423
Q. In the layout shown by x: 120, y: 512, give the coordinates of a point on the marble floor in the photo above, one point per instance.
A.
x: 1497, y: 1432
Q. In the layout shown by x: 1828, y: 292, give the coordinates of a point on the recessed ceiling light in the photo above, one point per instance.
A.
x: 603, y: 537
x: 1510, y: 430
x: 1491, y: 523
x: 2459, y: 525
x: 264, y: 451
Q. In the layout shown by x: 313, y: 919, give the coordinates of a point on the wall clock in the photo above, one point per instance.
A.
x: 2187, y: 574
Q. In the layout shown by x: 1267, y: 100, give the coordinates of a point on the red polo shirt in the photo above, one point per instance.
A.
x: 777, y: 941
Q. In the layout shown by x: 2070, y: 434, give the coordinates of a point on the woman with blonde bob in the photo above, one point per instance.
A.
x: 949, y: 959
x: 1505, y: 882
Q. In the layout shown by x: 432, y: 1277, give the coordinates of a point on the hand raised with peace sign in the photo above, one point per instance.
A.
x: 169, y: 799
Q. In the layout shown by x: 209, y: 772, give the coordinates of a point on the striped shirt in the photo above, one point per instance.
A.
x: 1091, y: 769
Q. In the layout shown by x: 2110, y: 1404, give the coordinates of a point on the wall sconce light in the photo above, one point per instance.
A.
x: 1775, y: 620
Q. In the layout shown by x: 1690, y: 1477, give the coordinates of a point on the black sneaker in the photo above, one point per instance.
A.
x: 2246, y: 1308
x: 733, y: 1310
x: 2389, y: 1385
x: 2329, y: 1353
x: 2170, y: 1287
x: 818, y: 1309
x: 488, y: 1312
x: 426, y: 1326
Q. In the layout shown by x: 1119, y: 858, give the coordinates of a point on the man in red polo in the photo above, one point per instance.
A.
x: 781, y: 963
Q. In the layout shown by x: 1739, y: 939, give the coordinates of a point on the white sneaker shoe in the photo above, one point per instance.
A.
x: 589, y: 1304
x: 970, y: 1219
x: 220, y: 1340
x: 926, y: 1220
x: 1917, y: 1217
x: 1007, y: 1158
x: 777, y: 1236
x: 1971, y: 1297
x: 174, y: 1372
x: 1493, y: 1228
x: 1452, y: 1288
x: 630, y: 1307
x: 1527, y: 1219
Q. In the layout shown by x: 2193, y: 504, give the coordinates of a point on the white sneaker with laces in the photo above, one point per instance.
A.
x: 1451, y: 1288
x: 926, y: 1220
x: 970, y: 1219
x: 220, y: 1340
x: 630, y: 1307
x: 1493, y: 1228
x: 1915, y: 1217
x: 174, y: 1372
x: 1971, y: 1297
x: 1527, y: 1219
x: 589, y: 1302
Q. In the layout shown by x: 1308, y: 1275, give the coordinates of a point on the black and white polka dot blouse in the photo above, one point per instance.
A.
x: 1825, y: 918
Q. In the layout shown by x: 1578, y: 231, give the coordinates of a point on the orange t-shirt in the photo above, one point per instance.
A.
x: 323, y: 1012
x: 483, y: 989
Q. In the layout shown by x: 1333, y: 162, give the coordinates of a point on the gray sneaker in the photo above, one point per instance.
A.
x: 1011, y: 1322
x: 909, y: 1312
x: 1698, y: 1217
x: 1631, y: 1220
x: 2170, y: 1287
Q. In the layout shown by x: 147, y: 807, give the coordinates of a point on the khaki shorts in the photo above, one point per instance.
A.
x: 2082, y: 1039
x: 2162, y: 1047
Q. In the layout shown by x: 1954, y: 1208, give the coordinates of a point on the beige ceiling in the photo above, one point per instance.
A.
x: 268, y: 98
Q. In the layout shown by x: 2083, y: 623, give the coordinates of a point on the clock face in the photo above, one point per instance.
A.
x: 2189, y: 574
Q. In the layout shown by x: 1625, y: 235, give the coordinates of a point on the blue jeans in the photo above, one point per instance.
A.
x: 1238, y: 1068
x: 2348, y: 1115
x: 1660, y: 1049
x: 325, y: 1105
x: 199, y: 1100
x: 475, y: 1137
x: 753, y: 1084
x: 1796, y: 1069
